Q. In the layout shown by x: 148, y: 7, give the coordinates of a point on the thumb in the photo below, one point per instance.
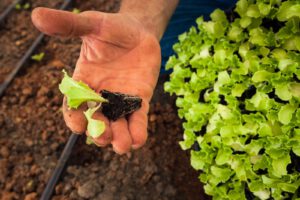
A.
x: 116, y: 29
x: 61, y: 23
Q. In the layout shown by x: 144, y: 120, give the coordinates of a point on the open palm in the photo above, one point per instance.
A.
x: 117, y: 54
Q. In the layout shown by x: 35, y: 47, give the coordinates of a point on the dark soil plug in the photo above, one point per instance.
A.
x: 119, y: 104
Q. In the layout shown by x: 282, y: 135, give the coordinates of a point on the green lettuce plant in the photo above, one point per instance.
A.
x: 237, y: 81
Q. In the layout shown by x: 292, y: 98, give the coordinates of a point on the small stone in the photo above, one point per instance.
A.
x: 170, y: 191
x: 9, y: 184
x: 59, y: 188
x: 124, y: 198
x: 31, y: 196
x: 72, y: 170
x: 2, y: 120
x: 42, y: 91
x: 13, y: 100
x: 4, y: 151
x: 49, y: 122
x: 54, y: 146
x: 105, y: 196
x: 27, y: 91
x: 18, y: 120
x: 9, y: 196
x: 18, y: 43
x: 67, y: 188
x: 28, y: 159
x: 159, y: 187
x: 45, y: 135
x: 112, y: 189
x: 34, y: 170
x: 107, y: 155
x: 152, y: 118
x: 57, y: 64
x: 23, y: 100
x: 88, y: 189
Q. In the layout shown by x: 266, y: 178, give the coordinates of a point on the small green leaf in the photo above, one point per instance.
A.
x: 26, y: 6
x: 38, y: 57
x: 89, y: 140
x: 95, y: 127
x: 286, y: 113
x: 78, y: 92
x: 288, y: 10
x: 76, y: 11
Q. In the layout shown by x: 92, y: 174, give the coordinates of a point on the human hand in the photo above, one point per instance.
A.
x: 118, y: 54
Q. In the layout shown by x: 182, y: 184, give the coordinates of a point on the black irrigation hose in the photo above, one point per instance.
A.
x: 27, y: 55
x: 8, y: 10
x: 73, y: 138
x: 59, y: 167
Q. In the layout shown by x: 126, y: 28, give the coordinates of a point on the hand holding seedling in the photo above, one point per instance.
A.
x: 120, y: 54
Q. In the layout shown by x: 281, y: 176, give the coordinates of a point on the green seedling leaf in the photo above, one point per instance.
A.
x: 76, y: 11
x: 26, y: 6
x: 89, y: 140
x: 18, y: 6
x: 38, y: 57
x: 78, y: 92
x: 95, y: 127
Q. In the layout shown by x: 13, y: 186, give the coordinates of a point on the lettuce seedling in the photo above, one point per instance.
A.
x: 38, y: 57
x: 113, y: 106
x: 78, y: 93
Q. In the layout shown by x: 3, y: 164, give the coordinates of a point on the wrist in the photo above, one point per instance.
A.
x: 152, y: 15
x: 146, y: 23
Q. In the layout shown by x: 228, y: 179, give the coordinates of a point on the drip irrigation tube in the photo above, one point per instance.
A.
x: 27, y: 55
x: 59, y: 167
x: 8, y: 10
x: 73, y: 138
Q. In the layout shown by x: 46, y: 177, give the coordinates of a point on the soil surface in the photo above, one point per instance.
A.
x: 33, y: 134
x: 18, y: 33
x: 4, y: 4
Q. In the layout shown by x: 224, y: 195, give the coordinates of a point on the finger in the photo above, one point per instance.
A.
x: 62, y: 23
x: 106, y: 136
x: 121, y: 138
x: 74, y: 119
x: 138, y: 122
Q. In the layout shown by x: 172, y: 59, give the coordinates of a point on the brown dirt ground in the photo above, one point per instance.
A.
x: 33, y: 134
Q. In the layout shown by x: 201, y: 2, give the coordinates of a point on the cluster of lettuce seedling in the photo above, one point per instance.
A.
x: 237, y: 81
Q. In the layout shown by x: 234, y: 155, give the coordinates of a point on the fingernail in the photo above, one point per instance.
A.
x: 135, y: 146
x: 99, y: 145
x: 118, y: 152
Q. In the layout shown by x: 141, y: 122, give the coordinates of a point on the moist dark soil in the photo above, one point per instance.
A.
x: 119, y: 105
x: 33, y: 134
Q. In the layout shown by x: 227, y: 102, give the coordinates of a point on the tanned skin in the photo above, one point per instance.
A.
x: 120, y: 52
